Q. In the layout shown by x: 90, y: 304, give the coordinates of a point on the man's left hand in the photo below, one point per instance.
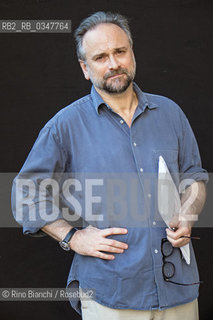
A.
x: 178, y: 230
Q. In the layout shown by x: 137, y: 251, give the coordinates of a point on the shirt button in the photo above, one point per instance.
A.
x: 121, y: 121
x: 134, y: 144
x: 141, y: 169
x: 149, y: 195
x: 156, y: 251
x: 154, y: 223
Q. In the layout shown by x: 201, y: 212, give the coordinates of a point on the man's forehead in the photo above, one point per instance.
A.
x: 105, y: 36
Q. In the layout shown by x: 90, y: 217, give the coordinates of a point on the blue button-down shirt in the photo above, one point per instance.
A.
x: 88, y: 137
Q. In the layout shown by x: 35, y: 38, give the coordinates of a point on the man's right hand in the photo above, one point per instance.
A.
x: 92, y: 241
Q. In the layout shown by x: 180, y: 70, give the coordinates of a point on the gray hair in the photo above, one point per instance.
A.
x: 95, y: 19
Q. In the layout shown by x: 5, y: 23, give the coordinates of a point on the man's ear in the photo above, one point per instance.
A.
x: 84, y: 69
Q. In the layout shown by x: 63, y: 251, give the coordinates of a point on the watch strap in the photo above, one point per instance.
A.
x: 65, y: 242
x: 70, y: 234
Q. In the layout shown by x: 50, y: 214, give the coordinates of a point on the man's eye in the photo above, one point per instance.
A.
x: 120, y: 51
x: 99, y: 58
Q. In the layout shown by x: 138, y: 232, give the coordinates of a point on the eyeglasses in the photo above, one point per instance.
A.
x: 168, y: 268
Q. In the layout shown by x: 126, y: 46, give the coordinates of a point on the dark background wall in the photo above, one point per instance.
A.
x: 39, y: 75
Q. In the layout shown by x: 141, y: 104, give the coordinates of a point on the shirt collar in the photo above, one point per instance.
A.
x: 143, y: 102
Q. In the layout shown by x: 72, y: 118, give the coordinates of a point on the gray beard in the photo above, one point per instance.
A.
x: 110, y: 88
x: 113, y: 89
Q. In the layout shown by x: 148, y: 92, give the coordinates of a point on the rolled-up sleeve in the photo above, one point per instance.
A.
x: 35, y: 201
x: 190, y: 166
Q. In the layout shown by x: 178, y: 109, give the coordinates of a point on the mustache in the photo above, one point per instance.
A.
x: 115, y: 73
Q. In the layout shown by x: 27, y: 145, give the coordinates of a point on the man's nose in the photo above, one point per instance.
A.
x: 113, y: 62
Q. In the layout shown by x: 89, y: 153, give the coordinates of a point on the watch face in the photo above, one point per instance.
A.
x: 65, y: 245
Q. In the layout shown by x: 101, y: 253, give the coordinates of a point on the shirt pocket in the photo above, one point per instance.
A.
x: 170, y: 156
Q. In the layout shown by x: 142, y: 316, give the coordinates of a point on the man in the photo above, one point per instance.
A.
x: 121, y: 130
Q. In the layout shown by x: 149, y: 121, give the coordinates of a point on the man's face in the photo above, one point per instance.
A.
x: 109, y: 59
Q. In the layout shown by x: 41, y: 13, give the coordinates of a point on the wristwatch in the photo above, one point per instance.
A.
x: 65, y: 243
